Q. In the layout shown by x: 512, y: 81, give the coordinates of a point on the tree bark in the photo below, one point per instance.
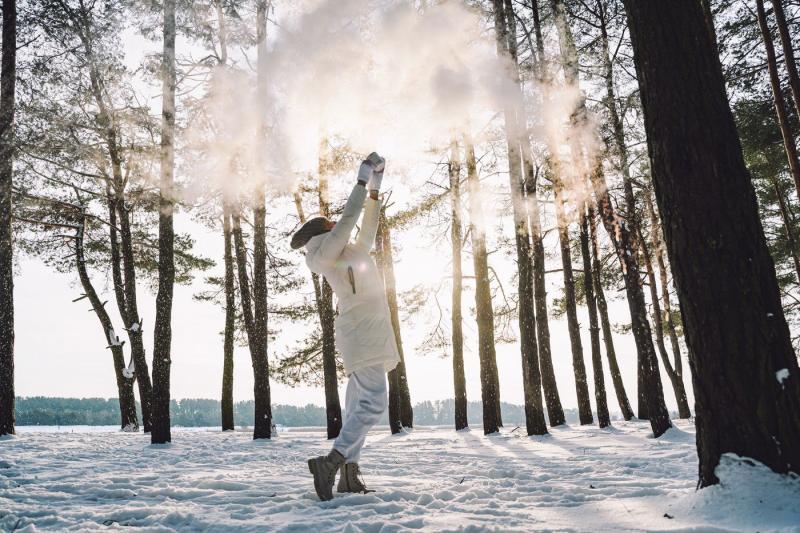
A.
x: 658, y: 249
x: 333, y: 407
x: 401, y: 414
x: 578, y: 366
x: 608, y: 340
x: 226, y: 404
x: 789, y: 144
x: 127, y: 400
x: 788, y: 52
x: 249, y: 324
x: 632, y: 215
x: 744, y: 369
x: 651, y: 397
x: 603, y: 418
x: 262, y: 428
x: 555, y: 412
x: 459, y: 381
x: 490, y: 395
x: 677, y: 383
x: 8, y: 79
x: 106, y: 122
x: 162, y: 332
x: 620, y: 237
x: 515, y: 126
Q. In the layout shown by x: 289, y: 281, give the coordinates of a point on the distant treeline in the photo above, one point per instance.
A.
x: 43, y: 411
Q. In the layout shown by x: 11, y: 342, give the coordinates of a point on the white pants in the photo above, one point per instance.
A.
x: 365, y: 402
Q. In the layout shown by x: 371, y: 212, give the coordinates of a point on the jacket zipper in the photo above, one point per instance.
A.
x: 352, y: 278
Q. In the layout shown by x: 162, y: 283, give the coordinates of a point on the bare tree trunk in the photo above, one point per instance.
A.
x: 8, y: 79
x: 579, y: 368
x: 262, y: 428
x: 459, y: 381
x: 490, y: 396
x: 249, y: 323
x: 162, y: 332
x: 658, y: 250
x: 514, y: 120
x: 603, y: 418
x: 745, y: 372
x: 105, y: 121
x: 401, y: 414
x: 788, y: 52
x: 608, y: 340
x: 127, y: 400
x: 333, y: 408
x: 555, y: 412
x: 789, y: 143
x: 620, y: 236
x: 651, y: 396
x: 677, y: 383
x: 226, y: 404
x: 621, y: 147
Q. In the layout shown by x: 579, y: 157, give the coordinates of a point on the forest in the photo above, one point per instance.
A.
x: 627, y: 168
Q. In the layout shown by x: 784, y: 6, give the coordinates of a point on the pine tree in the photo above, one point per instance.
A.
x: 745, y: 372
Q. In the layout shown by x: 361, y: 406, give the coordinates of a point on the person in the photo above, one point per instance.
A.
x: 363, y: 330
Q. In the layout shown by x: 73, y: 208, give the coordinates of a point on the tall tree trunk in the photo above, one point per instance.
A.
x: 515, y: 126
x: 401, y: 414
x: 651, y: 395
x: 8, y: 79
x: 459, y: 381
x: 333, y: 407
x: 162, y: 332
x: 262, y: 429
x: 262, y: 413
x: 579, y: 368
x: 226, y: 404
x: 106, y: 122
x: 621, y: 238
x: 555, y: 412
x: 603, y: 418
x: 677, y: 383
x: 127, y: 400
x: 490, y: 395
x: 788, y: 52
x: 608, y: 340
x: 789, y: 143
x: 658, y: 250
x: 621, y: 148
x: 324, y: 301
x: 744, y: 369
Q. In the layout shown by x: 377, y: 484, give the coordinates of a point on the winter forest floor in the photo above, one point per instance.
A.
x: 575, y: 479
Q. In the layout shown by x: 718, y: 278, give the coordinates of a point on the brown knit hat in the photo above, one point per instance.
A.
x: 312, y: 228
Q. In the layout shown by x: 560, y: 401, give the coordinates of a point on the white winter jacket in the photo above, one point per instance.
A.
x: 364, y: 334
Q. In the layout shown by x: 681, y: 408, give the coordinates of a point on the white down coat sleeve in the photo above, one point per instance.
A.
x: 338, y: 237
x: 369, y: 225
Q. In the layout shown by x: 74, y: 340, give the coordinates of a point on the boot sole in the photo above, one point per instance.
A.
x: 312, y: 467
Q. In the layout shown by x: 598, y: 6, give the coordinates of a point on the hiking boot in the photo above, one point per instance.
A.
x: 324, y: 470
x: 350, y: 479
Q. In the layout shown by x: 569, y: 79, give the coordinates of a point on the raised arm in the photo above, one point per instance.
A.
x: 336, y: 240
x: 369, y: 225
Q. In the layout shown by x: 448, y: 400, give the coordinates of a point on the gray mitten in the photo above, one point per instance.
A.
x: 378, y: 164
x: 365, y: 172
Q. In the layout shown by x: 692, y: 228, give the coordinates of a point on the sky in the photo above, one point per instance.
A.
x: 60, y: 349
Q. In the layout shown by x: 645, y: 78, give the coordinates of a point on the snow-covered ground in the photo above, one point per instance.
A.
x: 575, y: 479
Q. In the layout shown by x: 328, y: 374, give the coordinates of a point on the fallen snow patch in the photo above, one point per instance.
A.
x: 435, y: 479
